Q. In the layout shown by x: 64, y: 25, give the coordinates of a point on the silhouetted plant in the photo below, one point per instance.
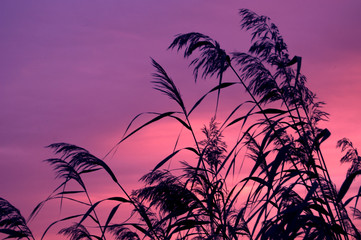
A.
x: 12, y: 223
x: 288, y: 192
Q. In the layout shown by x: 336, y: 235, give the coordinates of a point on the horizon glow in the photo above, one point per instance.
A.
x: 78, y: 72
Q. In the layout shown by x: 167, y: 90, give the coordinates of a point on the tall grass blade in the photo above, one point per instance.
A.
x: 161, y: 163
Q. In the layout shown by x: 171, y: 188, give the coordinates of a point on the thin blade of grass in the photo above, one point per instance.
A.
x: 219, y: 87
x: 61, y: 220
x: 110, y: 217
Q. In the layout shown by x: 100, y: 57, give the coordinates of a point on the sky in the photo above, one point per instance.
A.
x: 79, y: 71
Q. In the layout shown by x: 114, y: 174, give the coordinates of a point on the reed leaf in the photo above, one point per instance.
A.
x: 12, y: 223
x: 165, y: 84
x: 169, y: 157
x: 58, y: 221
x: 346, y: 184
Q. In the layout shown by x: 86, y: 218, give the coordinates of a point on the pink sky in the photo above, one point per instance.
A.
x: 79, y: 71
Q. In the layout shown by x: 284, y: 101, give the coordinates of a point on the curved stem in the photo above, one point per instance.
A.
x: 271, y: 126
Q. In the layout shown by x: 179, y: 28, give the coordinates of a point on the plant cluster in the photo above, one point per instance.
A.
x: 288, y: 192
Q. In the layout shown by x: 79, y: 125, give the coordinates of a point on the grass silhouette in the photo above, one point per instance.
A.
x: 288, y: 192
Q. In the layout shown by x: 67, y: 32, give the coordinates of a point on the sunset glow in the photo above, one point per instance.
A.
x: 80, y: 71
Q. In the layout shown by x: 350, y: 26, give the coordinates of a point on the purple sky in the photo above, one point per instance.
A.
x: 79, y: 71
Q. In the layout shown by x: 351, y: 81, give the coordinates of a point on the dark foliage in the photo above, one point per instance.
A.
x: 12, y: 223
x: 286, y: 194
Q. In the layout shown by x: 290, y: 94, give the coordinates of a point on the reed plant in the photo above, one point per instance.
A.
x: 287, y: 193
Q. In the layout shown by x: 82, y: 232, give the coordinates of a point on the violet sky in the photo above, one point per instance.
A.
x: 78, y: 71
